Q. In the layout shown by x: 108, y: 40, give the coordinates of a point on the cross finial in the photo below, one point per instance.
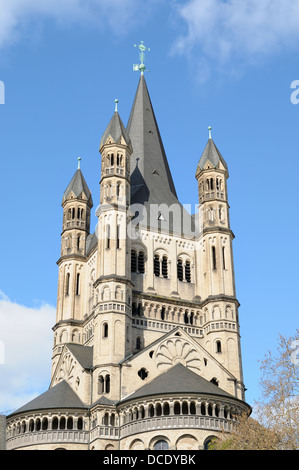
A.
x: 116, y: 103
x: 210, y: 132
x: 142, y: 50
x: 79, y: 162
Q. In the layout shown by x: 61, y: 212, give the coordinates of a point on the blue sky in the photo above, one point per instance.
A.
x: 227, y: 64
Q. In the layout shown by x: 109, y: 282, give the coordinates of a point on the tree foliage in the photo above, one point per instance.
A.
x: 276, y: 423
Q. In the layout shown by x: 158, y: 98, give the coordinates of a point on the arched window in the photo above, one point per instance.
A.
x: 133, y: 261
x: 166, y: 409
x: 78, y: 284
x: 104, y: 384
x: 106, y: 419
x: 185, y: 408
x: 80, y: 424
x: 151, y: 411
x: 118, y: 237
x: 188, y: 271
x: 62, y: 423
x: 157, y: 265
x: 107, y: 383
x: 141, y: 262
x: 119, y: 159
x: 177, y: 408
x: 70, y: 423
x: 45, y: 424
x: 223, y: 257
x: 108, y: 236
x: 218, y: 346
x: 67, y: 284
x: 208, y: 442
x: 138, y: 343
x: 101, y: 385
x: 180, y: 270
x: 78, y: 242
x: 165, y: 267
x: 214, y: 265
x: 55, y: 423
x: 105, y: 330
x: 163, y: 313
x: 161, y: 445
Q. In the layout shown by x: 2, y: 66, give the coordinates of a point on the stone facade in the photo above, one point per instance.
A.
x: 147, y: 339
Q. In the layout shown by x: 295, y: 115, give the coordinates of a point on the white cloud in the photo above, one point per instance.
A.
x: 27, y: 339
x: 237, y: 31
x: 116, y: 15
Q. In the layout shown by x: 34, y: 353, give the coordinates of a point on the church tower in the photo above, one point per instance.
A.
x: 217, y: 283
x: 147, y: 350
x: 113, y: 284
x: 77, y: 204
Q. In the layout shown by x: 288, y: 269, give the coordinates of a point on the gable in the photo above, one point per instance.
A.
x: 176, y: 347
x: 73, y: 367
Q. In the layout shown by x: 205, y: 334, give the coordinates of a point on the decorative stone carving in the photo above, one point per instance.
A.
x: 177, y: 350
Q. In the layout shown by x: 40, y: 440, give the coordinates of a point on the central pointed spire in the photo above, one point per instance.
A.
x: 152, y: 170
x: 151, y: 179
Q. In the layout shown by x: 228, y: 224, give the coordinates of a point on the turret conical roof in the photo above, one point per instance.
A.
x: 211, y: 154
x: 78, y: 186
x: 116, y: 130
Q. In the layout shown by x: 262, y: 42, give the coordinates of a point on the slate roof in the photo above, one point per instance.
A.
x: 212, y: 154
x: 78, y: 186
x: 91, y: 241
x: 60, y: 396
x: 84, y: 354
x: 116, y: 130
x: 151, y: 179
x: 178, y: 379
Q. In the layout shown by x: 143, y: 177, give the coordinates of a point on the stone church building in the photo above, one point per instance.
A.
x: 146, y: 350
